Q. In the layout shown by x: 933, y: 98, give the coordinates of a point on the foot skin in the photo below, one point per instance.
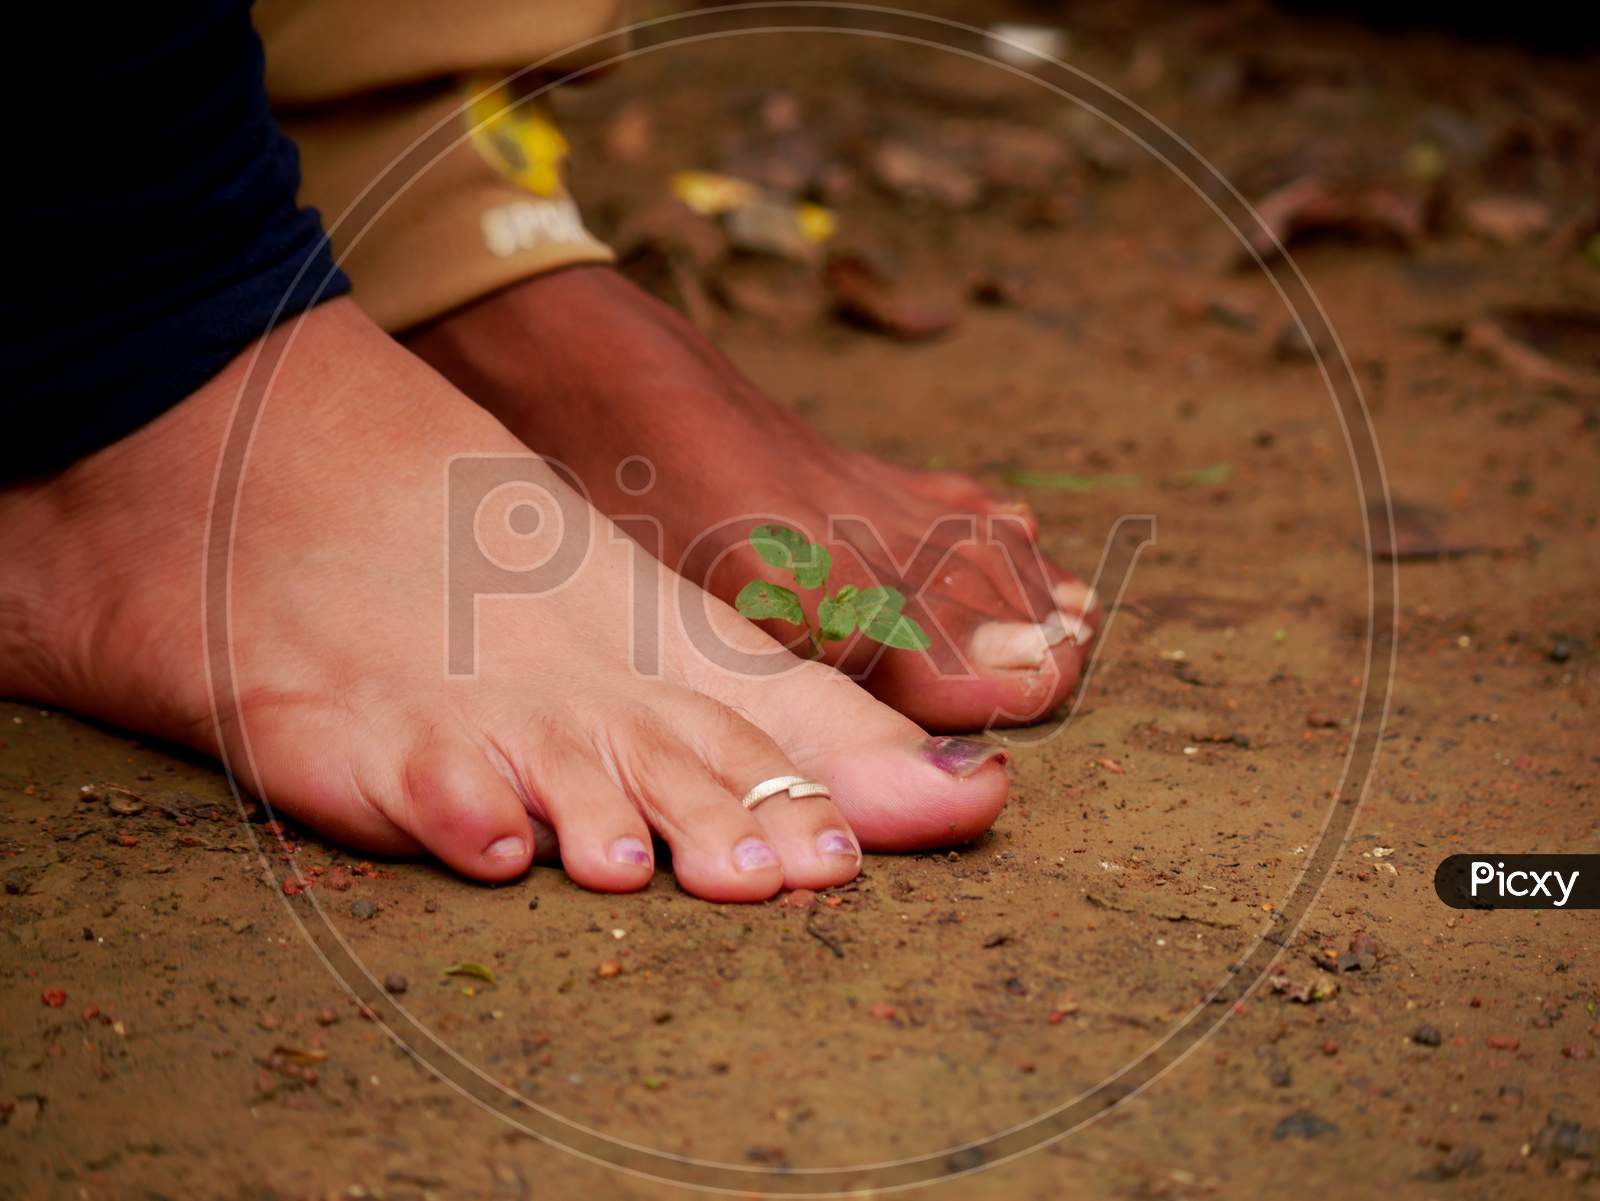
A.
x: 348, y: 720
x: 586, y: 368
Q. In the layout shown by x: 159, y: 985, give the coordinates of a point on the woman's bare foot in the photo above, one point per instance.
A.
x: 338, y: 643
x: 588, y: 369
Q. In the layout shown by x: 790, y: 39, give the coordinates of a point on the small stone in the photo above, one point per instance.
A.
x: 533, y: 903
x: 608, y: 970
x: 1577, y: 1051
x: 1563, y: 1139
x: 1330, y: 1047
x: 395, y: 983
x: 1426, y: 1036
x: 800, y: 898
x: 430, y: 906
x: 124, y: 804
x: 1279, y: 1076
x: 1303, y: 1124
x: 1560, y: 650
x: 1232, y: 316
x: 1459, y: 1159
x: 364, y: 909
x: 1502, y: 1042
x: 1001, y: 288
x: 326, y: 1017
x: 1290, y: 344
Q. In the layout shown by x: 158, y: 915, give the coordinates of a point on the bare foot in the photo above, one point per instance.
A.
x: 588, y: 369
x: 338, y: 644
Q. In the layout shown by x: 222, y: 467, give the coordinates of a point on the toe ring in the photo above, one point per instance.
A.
x: 795, y: 786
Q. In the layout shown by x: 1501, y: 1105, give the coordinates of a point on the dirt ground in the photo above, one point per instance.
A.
x: 170, y: 1031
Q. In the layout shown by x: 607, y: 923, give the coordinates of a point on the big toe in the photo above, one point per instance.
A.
x: 898, y: 788
x: 984, y: 669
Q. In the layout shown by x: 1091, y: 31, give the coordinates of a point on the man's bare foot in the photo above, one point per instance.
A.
x: 586, y: 368
x: 338, y: 650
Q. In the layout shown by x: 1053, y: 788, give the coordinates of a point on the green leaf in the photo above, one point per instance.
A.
x: 846, y: 593
x: 1069, y: 481
x: 471, y: 969
x: 897, y: 630
x: 779, y: 545
x: 782, y: 547
x: 878, y: 612
x: 813, y: 571
x: 759, y: 600
x: 1203, y: 477
x: 836, y: 618
x: 870, y: 603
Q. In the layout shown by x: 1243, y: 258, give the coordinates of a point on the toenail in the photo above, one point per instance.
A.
x: 1075, y: 596
x: 961, y: 757
x: 1078, y: 632
x: 837, y: 842
x: 630, y: 850
x: 752, y: 854
x: 1017, y: 643
x: 506, y: 849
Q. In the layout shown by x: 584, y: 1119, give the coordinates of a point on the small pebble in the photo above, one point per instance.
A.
x: 1459, y: 1159
x: 395, y: 983
x: 608, y: 969
x: 1303, y: 1124
x: 1426, y: 1036
x: 364, y: 909
x: 1503, y: 1042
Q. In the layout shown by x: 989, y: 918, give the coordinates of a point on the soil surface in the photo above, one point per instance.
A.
x: 168, y: 1029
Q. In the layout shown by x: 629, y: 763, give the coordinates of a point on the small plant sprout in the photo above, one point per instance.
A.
x: 874, y: 611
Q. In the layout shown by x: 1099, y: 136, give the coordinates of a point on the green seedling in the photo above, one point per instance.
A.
x: 1069, y: 481
x: 1204, y: 477
x: 874, y: 611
